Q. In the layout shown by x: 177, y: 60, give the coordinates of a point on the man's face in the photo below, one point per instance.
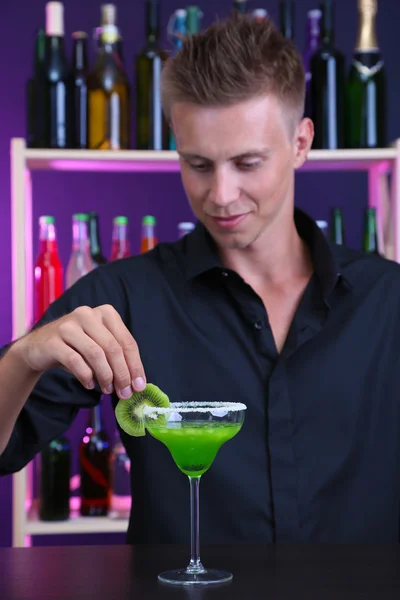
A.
x: 238, y: 164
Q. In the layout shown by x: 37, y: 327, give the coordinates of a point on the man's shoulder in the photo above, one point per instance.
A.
x: 366, y: 269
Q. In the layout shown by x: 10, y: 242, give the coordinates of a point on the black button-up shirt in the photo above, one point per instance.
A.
x: 318, y: 457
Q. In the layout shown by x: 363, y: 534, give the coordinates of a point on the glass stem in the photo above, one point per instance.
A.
x: 195, y: 565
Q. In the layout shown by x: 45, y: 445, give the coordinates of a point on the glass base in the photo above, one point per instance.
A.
x: 184, y: 577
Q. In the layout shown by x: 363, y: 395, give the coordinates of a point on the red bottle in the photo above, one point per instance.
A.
x: 149, y: 239
x: 49, y: 271
x: 120, y: 243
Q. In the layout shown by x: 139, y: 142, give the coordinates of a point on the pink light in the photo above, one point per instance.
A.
x: 86, y: 439
x: 115, y: 166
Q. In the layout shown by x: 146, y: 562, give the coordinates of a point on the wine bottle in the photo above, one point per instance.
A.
x: 312, y: 45
x: 109, y: 17
x: 327, y: 87
x: 240, y: 7
x: 79, y: 77
x: 109, y: 95
x: 55, y: 473
x: 48, y: 268
x: 94, y: 237
x: 56, y: 81
x: 370, y: 237
x: 152, y: 130
x: 177, y: 32
x: 80, y: 262
x: 148, y: 240
x: 120, y: 465
x: 366, y: 86
x: 337, y: 227
x: 194, y: 16
x: 120, y: 243
x: 287, y: 17
x: 35, y: 115
x: 94, y: 463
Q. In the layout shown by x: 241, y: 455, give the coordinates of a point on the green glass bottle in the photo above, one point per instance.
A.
x: 337, y: 233
x: 193, y: 19
x: 366, y: 86
x: 240, y: 7
x: 370, y: 238
x: 287, y: 18
x: 55, y: 474
x: 109, y: 94
x: 35, y: 118
x: 327, y: 87
x: 152, y: 130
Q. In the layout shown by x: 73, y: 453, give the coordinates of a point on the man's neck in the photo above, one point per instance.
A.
x: 277, y: 257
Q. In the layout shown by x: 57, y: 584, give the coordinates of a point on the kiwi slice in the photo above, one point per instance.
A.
x: 129, y: 413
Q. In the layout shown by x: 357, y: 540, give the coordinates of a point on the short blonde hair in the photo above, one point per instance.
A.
x: 232, y: 61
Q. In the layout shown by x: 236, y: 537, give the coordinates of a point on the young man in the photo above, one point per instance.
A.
x: 254, y: 306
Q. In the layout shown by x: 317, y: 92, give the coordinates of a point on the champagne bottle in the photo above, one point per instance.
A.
x: 55, y: 79
x: 152, y: 130
x: 327, y: 87
x: 337, y: 227
x: 366, y: 86
x: 80, y: 262
x: 94, y: 462
x: 312, y: 45
x: 79, y: 77
x: 287, y: 17
x: 94, y: 236
x: 240, y: 7
x: 55, y: 473
x: 370, y: 238
x: 109, y: 95
x: 35, y: 117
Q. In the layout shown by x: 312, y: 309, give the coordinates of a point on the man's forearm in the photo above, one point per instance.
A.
x: 16, y: 384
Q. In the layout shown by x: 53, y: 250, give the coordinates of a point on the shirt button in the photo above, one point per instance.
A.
x: 257, y: 325
x: 224, y: 274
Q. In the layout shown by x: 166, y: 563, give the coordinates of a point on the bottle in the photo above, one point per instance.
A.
x: 120, y: 466
x: 120, y: 242
x: 109, y: 94
x: 177, y: 31
x: 149, y: 240
x: 55, y: 474
x: 337, y: 227
x: 370, y: 238
x: 35, y: 117
x: 193, y: 19
x: 327, y: 87
x: 323, y: 225
x: 240, y: 7
x: 48, y: 268
x: 108, y: 16
x: 80, y: 262
x: 79, y: 77
x: 184, y: 229
x: 259, y: 14
x: 152, y: 130
x: 366, y: 86
x: 56, y: 81
x: 287, y: 17
x: 94, y: 464
x: 94, y: 238
x: 312, y: 45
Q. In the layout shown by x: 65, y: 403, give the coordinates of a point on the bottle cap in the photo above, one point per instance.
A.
x: 369, y: 6
x: 80, y: 217
x: 260, y: 13
x: 79, y: 35
x: 108, y: 14
x: 149, y: 220
x: 186, y: 226
x: 46, y: 220
x: 120, y: 220
x: 55, y: 19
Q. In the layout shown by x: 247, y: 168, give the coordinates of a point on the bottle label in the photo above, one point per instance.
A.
x: 367, y: 72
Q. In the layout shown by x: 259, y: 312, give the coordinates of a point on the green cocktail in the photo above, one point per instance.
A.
x: 194, y: 432
x: 194, y: 444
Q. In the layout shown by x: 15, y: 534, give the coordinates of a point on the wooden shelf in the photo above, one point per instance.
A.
x: 166, y: 161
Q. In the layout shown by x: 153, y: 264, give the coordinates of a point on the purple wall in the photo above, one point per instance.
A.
x: 62, y: 194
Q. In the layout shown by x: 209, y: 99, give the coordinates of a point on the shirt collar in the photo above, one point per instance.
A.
x: 202, y: 254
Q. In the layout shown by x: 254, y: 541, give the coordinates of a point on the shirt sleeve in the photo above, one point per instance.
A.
x: 57, y: 397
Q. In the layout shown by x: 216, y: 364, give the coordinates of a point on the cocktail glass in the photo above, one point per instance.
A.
x: 193, y: 433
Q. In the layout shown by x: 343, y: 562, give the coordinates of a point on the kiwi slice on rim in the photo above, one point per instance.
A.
x: 129, y: 413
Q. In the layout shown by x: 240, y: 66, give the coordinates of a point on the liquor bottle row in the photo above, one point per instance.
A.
x: 73, y: 105
x: 336, y: 231
x: 104, y: 474
x: 86, y: 252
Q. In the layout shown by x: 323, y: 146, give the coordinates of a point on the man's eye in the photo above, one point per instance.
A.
x: 247, y: 166
x: 200, y: 167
